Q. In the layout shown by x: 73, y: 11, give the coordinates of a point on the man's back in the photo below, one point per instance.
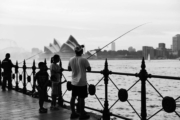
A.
x: 42, y: 78
x: 79, y: 66
x: 7, y: 66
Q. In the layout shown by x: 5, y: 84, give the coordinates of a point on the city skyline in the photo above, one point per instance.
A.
x: 11, y: 43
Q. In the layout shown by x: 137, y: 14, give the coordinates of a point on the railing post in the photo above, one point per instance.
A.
x: 16, y: 72
x: 24, y: 71
x: 106, y: 114
x: 34, y: 72
x: 60, y: 99
x: 0, y: 73
x: 143, y: 77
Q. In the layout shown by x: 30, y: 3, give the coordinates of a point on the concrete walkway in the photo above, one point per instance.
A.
x: 17, y: 106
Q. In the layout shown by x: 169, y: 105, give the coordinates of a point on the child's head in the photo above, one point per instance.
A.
x: 42, y: 66
x: 56, y: 58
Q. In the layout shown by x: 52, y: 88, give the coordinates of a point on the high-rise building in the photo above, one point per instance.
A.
x: 160, y: 52
x: 131, y: 49
x: 162, y: 46
x: 148, y: 51
x: 176, y: 43
x: 113, y: 46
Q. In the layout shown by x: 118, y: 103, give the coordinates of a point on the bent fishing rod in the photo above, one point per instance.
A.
x: 117, y: 39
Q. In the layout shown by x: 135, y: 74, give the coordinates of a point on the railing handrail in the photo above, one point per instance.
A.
x: 127, y: 74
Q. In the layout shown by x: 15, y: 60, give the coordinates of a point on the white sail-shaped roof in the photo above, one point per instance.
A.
x: 56, y: 47
x: 50, y: 45
x: 66, y: 48
x: 49, y: 49
x: 53, y: 47
x: 72, y: 41
x: 57, y: 43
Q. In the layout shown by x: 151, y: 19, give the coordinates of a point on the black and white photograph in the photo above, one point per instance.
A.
x: 89, y: 59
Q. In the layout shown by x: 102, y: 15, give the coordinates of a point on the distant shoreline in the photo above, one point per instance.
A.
x: 47, y: 60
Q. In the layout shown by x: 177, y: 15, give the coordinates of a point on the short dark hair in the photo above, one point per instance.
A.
x: 79, y: 50
x: 41, y: 64
x: 7, y: 55
x: 56, y: 56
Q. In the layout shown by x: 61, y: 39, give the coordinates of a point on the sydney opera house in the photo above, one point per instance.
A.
x: 66, y: 50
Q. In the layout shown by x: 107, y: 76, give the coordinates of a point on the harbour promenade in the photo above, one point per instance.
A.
x: 17, y: 106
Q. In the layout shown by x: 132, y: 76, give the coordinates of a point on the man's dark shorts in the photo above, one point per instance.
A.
x: 80, y: 91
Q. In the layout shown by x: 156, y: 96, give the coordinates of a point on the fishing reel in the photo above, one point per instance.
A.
x: 92, y: 89
x: 69, y: 85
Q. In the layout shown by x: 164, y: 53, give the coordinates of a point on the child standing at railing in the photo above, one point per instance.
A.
x: 42, y: 78
x: 56, y: 80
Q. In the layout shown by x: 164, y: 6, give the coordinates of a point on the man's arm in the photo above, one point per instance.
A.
x: 12, y: 64
x: 69, y: 68
x: 88, y: 69
x: 37, y: 83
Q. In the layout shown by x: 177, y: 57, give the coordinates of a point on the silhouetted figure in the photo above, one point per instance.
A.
x: 79, y: 65
x: 42, y: 78
x: 7, y: 70
x: 56, y: 75
x: 52, y: 59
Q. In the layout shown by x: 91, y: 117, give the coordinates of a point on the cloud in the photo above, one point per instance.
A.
x: 45, y: 11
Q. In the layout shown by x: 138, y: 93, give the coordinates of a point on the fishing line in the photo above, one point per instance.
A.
x: 30, y: 57
x: 117, y: 39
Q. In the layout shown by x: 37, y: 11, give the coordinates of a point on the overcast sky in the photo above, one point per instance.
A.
x: 35, y: 23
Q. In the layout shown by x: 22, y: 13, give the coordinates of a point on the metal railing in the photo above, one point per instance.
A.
x: 169, y: 104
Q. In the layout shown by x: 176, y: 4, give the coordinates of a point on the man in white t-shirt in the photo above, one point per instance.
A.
x: 79, y: 65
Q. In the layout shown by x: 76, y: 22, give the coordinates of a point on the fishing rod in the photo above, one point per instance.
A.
x: 30, y: 57
x: 117, y: 39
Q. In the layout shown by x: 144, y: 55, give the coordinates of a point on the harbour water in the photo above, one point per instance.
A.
x: 154, y: 101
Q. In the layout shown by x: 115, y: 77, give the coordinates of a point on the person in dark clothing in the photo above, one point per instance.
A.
x: 42, y: 78
x: 7, y: 70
